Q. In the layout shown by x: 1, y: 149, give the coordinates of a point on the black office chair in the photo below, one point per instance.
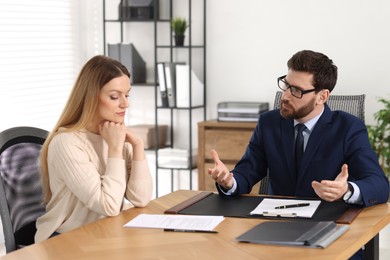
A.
x: 20, y: 185
x: 353, y: 104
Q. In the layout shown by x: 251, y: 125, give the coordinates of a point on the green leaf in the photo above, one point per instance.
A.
x: 179, y: 25
x: 379, y: 135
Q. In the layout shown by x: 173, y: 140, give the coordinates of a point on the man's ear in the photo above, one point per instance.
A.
x: 324, y: 95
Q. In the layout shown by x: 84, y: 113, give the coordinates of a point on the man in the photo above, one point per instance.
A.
x: 337, y: 162
x: 308, y: 150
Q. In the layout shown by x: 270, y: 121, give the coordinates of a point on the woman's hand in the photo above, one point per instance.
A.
x: 137, y: 143
x: 114, y: 134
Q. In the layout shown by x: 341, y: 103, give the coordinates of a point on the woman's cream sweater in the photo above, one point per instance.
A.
x: 86, y: 185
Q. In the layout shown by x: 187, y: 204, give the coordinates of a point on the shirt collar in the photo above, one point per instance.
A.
x: 312, y: 122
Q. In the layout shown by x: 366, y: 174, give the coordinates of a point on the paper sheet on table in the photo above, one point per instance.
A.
x: 267, y: 208
x: 184, y: 222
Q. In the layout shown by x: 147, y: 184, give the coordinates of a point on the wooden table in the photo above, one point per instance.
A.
x: 108, y: 239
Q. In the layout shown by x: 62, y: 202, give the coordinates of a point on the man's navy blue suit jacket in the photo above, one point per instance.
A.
x: 337, y: 138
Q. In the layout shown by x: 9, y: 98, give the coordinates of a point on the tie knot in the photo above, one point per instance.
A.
x: 300, y: 128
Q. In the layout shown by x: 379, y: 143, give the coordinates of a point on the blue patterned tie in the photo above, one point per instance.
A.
x: 299, y: 146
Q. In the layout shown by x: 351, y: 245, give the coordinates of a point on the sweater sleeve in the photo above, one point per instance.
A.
x: 102, y: 192
x: 139, y: 184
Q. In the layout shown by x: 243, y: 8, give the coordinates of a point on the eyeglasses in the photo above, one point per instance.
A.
x: 295, y: 91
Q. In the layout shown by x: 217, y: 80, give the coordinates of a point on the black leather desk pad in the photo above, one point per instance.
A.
x: 214, y: 205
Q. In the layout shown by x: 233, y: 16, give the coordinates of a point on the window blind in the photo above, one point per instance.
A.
x: 37, y: 61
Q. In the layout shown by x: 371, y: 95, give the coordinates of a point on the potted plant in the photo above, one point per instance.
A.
x: 379, y: 136
x: 179, y: 26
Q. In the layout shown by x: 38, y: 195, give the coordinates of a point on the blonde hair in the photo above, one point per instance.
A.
x: 81, y: 106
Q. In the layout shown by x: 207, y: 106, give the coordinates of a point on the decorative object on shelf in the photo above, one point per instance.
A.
x: 241, y: 111
x: 179, y: 26
x: 379, y: 136
x: 138, y: 10
x: 128, y: 55
x: 147, y: 134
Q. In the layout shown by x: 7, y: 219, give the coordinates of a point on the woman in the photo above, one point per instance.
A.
x: 91, y: 161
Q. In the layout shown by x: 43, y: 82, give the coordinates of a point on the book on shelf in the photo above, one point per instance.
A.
x: 162, y: 84
x: 170, y: 76
x: 183, y: 87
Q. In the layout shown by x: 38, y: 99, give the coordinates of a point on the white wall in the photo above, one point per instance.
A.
x: 249, y: 43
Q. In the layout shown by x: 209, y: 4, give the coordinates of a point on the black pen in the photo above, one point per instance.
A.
x: 189, y: 230
x: 293, y: 206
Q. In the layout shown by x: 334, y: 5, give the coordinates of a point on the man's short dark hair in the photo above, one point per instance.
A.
x: 323, y: 69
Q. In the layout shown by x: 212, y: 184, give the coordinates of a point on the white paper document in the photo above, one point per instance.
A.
x: 179, y: 222
x: 286, y: 208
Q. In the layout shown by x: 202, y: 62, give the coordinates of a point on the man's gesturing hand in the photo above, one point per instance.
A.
x: 220, y: 173
x: 332, y: 190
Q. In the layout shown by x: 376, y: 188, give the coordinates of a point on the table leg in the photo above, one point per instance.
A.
x: 371, y: 249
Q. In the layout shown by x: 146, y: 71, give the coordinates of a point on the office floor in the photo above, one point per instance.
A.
x: 384, y: 244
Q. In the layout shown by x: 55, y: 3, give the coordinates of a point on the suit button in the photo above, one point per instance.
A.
x: 372, y: 201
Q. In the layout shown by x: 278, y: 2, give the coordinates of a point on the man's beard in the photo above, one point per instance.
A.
x: 296, y: 114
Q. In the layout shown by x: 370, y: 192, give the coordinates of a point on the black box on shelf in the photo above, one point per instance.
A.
x: 138, y: 10
x: 241, y: 111
x: 128, y: 55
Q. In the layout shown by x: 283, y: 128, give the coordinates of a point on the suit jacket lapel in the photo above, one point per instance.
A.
x: 315, y: 140
x: 287, y: 133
